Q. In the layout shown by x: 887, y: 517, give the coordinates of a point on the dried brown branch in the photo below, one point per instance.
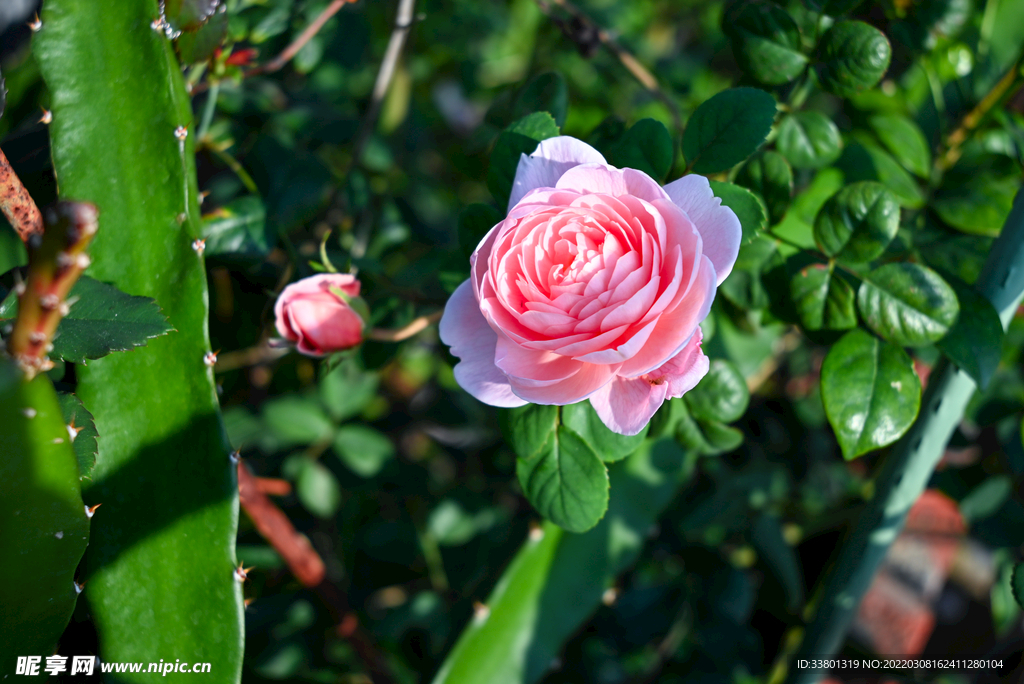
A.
x: 405, y: 333
x: 1000, y: 93
x: 15, y: 202
x: 584, y: 31
x: 307, y: 566
x: 253, y: 356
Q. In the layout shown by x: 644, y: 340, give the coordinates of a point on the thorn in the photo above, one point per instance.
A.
x: 199, y: 246
x: 49, y: 302
x: 210, y: 358
x: 202, y: 196
x: 157, y: 24
x: 241, y: 573
x: 536, y: 532
x: 181, y: 218
x: 480, y: 611
x: 73, y: 430
x: 36, y: 337
x: 19, y: 288
x: 35, y: 24
x: 247, y: 601
x: 29, y: 412
x: 78, y: 587
x: 235, y: 456
x: 89, y: 512
x: 610, y: 596
x: 181, y: 132
x: 83, y: 261
x: 45, y: 365
x: 47, y: 116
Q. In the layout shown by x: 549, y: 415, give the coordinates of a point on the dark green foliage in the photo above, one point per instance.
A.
x: 765, y: 40
x: 857, y: 223
x: 854, y: 56
x: 727, y: 129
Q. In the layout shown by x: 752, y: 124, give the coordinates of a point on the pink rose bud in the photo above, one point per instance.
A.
x: 318, y: 320
x: 592, y: 287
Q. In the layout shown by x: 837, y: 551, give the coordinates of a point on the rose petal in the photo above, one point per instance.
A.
x: 626, y: 405
x: 717, y: 224
x: 577, y: 387
x: 465, y: 330
x: 684, y: 370
x: 601, y: 178
x: 552, y: 158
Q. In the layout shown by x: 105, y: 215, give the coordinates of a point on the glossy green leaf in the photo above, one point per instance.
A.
x: 475, y: 222
x: 529, y: 428
x: 721, y: 395
x: 609, y: 446
x: 986, y: 499
x: 855, y: 57
x: 200, y: 45
x: 870, y: 392
x: 117, y: 99
x: 905, y: 141
x: 927, y: 22
x: 189, y: 15
x: 975, y: 342
x: 239, y: 228
x: 646, y: 146
x: 809, y: 140
x: 908, y: 304
x: 318, y: 489
x: 769, y: 176
x: 823, y: 299
x: 719, y: 438
x: 765, y: 40
x: 858, y: 222
x: 727, y: 128
x: 607, y: 133
x: 557, y: 580
x: 747, y: 206
x: 744, y: 287
x: 363, y: 449
x: 566, y: 482
x: 80, y: 421
x: 43, y: 527
x: 12, y: 249
x: 346, y: 390
x: 522, y: 137
x: 834, y: 8
x: 101, y: 321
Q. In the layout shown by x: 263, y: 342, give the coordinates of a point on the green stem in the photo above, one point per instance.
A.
x: 909, y: 466
x: 233, y: 164
x: 211, y: 106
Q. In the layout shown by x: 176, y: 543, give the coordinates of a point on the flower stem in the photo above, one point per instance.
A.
x: 909, y: 466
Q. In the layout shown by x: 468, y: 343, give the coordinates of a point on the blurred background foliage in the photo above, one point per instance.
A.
x: 402, y: 481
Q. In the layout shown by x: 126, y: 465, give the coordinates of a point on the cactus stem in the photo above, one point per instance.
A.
x: 56, y: 259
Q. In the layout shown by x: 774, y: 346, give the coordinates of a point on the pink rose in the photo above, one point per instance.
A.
x: 316, y: 319
x: 591, y: 288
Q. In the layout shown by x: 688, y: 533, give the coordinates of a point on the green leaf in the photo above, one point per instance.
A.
x: 833, y: 8
x: 864, y: 161
x: 721, y: 395
x: 346, y: 390
x: 908, y: 304
x: 200, y: 45
x: 76, y: 416
x: 239, y: 228
x: 977, y: 204
x: 522, y: 137
x: 545, y: 92
x: 870, y: 392
x: 719, y: 438
x: 117, y: 97
x: 296, y: 421
x: 646, y: 146
x: 857, y: 223
x: 318, y: 489
x: 12, y: 249
x: 43, y: 527
x: 1018, y: 584
x: 529, y: 428
x: 189, y: 15
x: 607, y: 133
x: 609, y: 446
x: 363, y: 449
x: 975, y: 342
x: 855, y: 57
x: 809, y: 140
x: 744, y: 287
x: 986, y: 499
x: 765, y: 40
x: 475, y: 221
x: 769, y: 176
x: 748, y: 207
x: 101, y: 321
x: 557, y: 580
x: 823, y: 299
x: 727, y: 129
x: 905, y: 141
x: 567, y: 483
